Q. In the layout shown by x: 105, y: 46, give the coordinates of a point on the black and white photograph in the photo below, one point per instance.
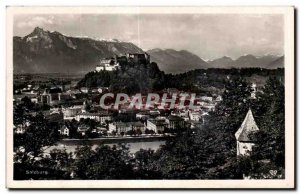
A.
x: 150, y: 97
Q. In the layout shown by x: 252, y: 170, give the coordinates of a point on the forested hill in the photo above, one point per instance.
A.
x: 145, y: 78
x: 129, y: 79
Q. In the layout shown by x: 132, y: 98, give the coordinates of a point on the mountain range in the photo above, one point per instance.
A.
x: 265, y: 61
x: 173, y: 61
x: 43, y: 51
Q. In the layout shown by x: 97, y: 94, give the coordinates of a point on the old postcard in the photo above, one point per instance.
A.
x: 150, y: 97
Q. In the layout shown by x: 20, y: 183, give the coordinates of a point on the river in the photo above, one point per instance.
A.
x: 133, y: 144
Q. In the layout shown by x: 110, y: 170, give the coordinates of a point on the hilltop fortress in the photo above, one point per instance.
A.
x: 113, y: 63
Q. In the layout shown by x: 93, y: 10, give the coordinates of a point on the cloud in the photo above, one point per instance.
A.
x: 207, y: 35
x: 35, y: 21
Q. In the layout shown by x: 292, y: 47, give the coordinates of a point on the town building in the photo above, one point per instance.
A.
x: 219, y: 98
x: 195, y: 116
x: 138, y: 58
x: 156, y: 125
x: 85, y: 106
x: 53, y: 96
x: 84, y: 90
x: 175, y: 122
x: 253, y: 91
x: 82, y: 129
x: 99, y: 90
x: 243, y: 137
x: 206, y: 98
x: 65, y: 131
x: 107, y: 64
x: 138, y: 127
x: 49, y: 98
x: 171, y: 91
x: 21, y: 128
x: 154, y: 113
x: 208, y: 107
x: 55, y: 118
x: 99, y: 130
x: 121, y: 128
x: 113, y: 63
x: 71, y: 112
x: 34, y: 100
x: 101, y: 117
x: 180, y: 113
x: 18, y: 97
x: 195, y: 124
x: 142, y: 115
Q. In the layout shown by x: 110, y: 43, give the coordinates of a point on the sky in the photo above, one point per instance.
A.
x: 209, y: 36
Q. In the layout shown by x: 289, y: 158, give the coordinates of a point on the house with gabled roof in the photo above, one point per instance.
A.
x: 244, y: 140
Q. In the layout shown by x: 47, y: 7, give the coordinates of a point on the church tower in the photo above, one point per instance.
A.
x: 84, y: 107
x: 244, y: 142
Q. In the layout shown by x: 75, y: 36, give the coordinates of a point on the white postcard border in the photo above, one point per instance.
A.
x: 288, y: 182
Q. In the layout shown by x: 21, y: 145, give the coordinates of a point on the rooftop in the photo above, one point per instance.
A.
x: 248, y: 126
x: 158, y: 122
x: 95, y: 114
x: 174, y: 118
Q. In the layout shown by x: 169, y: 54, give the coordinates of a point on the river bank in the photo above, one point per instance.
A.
x: 134, y: 143
x: 113, y: 140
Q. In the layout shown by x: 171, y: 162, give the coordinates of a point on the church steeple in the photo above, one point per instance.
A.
x: 248, y: 126
x: 244, y: 141
x: 84, y: 107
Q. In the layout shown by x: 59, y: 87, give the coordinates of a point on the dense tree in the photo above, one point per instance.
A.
x: 209, y: 152
x: 29, y: 147
x: 144, y: 165
x: 96, y: 79
x: 205, y: 153
x: 38, y: 134
x: 199, y: 155
x: 269, y: 150
x: 104, y: 162
x: 129, y: 79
